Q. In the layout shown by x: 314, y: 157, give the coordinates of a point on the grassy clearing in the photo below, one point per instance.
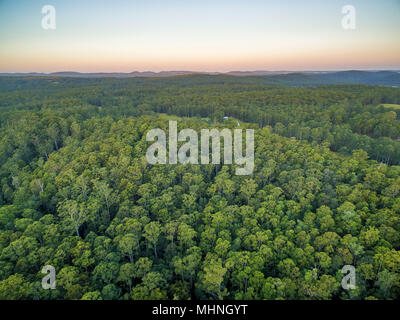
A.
x: 392, y: 106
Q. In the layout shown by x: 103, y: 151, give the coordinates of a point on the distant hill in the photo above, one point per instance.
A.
x: 384, y: 78
x: 101, y: 74
x: 256, y: 73
x: 289, y: 78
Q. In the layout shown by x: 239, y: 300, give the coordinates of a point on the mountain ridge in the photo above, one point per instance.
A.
x: 289, y: 78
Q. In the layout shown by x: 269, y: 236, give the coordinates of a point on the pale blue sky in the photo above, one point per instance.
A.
x: 205, y: 35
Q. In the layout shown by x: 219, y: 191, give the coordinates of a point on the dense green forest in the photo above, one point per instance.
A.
x: 77, y: 192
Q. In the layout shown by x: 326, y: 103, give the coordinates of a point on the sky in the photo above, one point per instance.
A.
x: 204, y: 35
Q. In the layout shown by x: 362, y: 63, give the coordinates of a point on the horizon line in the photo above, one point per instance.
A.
x: 397, y: 68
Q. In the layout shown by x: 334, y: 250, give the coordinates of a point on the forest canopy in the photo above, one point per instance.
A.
x: 78, y: 194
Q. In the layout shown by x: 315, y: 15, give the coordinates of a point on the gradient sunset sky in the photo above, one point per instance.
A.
x: 218, y: 35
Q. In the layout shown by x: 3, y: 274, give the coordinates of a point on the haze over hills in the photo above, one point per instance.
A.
x: 290, y: 78
x: 102, y: 74
x: 384, y: 78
